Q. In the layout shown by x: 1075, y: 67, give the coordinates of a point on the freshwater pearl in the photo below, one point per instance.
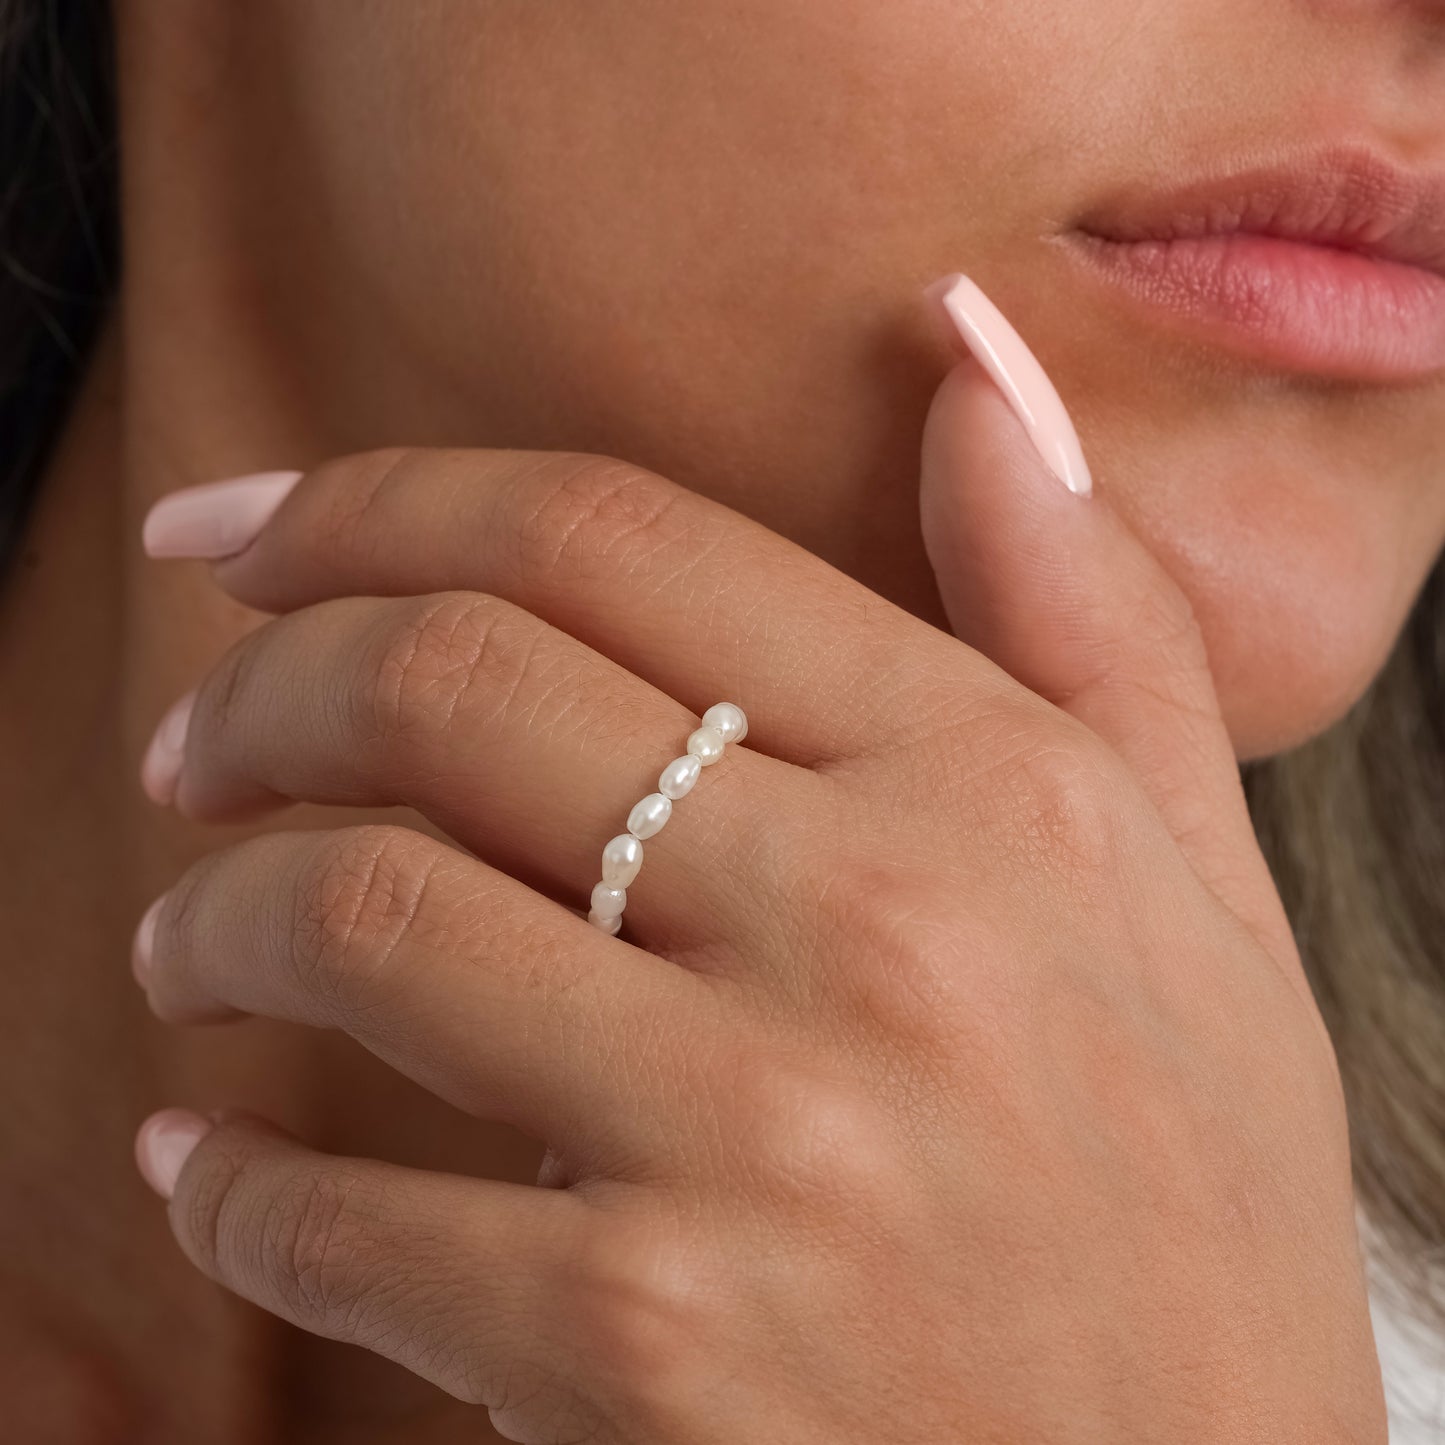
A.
x: 679, y: 776
x: 648, y: 816
x: 728, y: 720
x: 607, y: 925
x: 621, y: 861
x: 608, y: 902
x: 706, y: 745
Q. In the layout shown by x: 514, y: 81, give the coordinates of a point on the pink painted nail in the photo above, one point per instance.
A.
x: 1001, y: 351
x: 164, y: 1143
x: 217, y: 519
x: 144, y: 943
x: 160, y: 770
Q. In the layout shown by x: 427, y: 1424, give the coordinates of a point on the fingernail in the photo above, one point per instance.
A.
x: 217, y: 519
x: 160, y: 769
x: 1001, y: 351
x: 141, y: 947
x: 164, y: 1143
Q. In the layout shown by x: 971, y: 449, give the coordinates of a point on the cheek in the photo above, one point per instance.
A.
x: 644, y: 216
x: 692, y: 235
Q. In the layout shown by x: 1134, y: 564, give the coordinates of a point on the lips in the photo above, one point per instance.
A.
x: 1333, y: 265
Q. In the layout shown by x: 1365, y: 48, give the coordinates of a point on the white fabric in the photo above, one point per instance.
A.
x: 1414, y: 1369
x: 1412, y: 1356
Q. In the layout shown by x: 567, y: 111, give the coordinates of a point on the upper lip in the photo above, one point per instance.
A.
x: 1346, y: 198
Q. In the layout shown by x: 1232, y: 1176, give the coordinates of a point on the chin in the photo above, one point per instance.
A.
x: 1300, y: 604
x: 1275, y: 700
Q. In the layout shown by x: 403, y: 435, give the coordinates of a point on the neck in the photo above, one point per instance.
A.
x: 209, y: 367
x: 213, y: 365
x: 95, y: 641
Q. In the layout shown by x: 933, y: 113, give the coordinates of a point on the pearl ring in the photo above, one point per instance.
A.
x: 722, y: 723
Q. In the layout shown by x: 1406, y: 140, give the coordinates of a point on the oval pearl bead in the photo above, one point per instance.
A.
x: 608, y: 902
x: 728, y: 720
x: 607, y: 925
x: 679, y: 777
x: 648, y: 816
x: 706, y: 745
x: 621, y: 861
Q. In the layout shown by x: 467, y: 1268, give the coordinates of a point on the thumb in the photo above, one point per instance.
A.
x: 1042, y: 575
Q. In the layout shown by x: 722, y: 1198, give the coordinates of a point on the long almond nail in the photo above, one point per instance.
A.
x: 217, y: 519
x: 986, y: 332
x: 163, y: 1145
x: 160, y: 770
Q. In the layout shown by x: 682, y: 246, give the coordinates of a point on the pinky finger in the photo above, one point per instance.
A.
x: 454, y: 1278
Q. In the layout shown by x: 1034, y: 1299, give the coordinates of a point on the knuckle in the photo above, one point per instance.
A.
x: 188, y: 935
x: 202, y: 1209
x: 534, y: 1400
x: 819, y: 1149
x: 891, y: 933
x: 1061, y: 807
x: 643, y: 1305
x: 350, y: 500
x: 459, y: 653
x: 181, y: 925
x: 318, y: 1242
x: 592, y: 513
x: 357, y: 902
x: 228, y: 689
x: 313, y: 1239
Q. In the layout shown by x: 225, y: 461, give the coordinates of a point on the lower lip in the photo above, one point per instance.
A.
x: 1286, y: 303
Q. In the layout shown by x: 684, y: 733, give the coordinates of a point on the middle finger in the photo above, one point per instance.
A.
x: 646, y: 571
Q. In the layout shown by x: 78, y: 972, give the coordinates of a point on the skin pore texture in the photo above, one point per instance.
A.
x: 688, y: 235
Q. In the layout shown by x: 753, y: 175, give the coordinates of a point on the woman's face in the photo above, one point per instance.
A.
x: 693, y: 233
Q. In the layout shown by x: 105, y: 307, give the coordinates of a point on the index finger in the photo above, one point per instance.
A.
x: 682, y: 591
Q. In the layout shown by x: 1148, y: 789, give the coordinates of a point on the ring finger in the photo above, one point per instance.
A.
x: 523, y: 744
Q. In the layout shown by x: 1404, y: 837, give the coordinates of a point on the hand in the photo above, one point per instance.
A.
x: 954, y: 1078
